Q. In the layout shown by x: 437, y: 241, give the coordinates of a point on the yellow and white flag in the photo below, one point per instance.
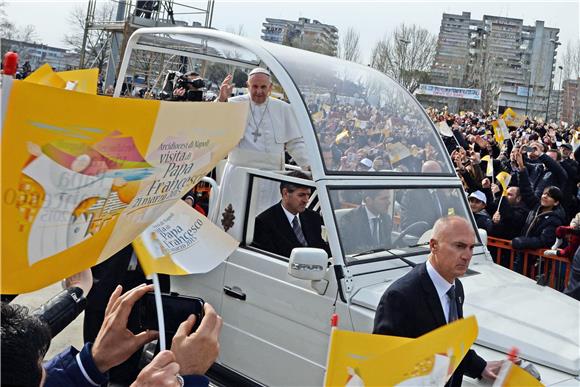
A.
x: 504, y: 179
x: 342, y: 135
x: 512, y: 118
x: 397, y: 152
x: 359, y: 358
x: 511, y: 375
x: 489, y: 167
x: 501, y: 131
x: 182, y: 241
x: 84, y: 175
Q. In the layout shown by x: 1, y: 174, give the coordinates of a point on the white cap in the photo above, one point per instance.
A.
x: 259, y: 70
x: 479, y: 196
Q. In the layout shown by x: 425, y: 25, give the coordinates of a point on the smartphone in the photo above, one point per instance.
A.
x: 527, y: 149
x: 176, y: 309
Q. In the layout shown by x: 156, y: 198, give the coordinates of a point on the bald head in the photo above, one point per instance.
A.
x: 431, y: 166
x: 451, y: 247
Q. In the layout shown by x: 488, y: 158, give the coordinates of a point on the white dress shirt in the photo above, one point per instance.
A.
x: 291, y: 216
x: 442, y: 287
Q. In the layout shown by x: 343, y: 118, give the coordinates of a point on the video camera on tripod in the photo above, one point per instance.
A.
x: 183, y: 87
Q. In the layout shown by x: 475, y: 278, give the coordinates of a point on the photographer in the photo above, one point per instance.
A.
x: 26, y: 338
x: 188, y: 87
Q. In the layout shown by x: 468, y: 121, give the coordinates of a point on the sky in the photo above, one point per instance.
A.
x: 372, y: 19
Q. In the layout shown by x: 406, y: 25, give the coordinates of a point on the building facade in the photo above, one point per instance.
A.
x: 304, y: 33
x: 38, y: 54
x: 512, y: 64
x: 570, y: 111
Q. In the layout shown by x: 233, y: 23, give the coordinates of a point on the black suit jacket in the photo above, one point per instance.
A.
x: 410, y: 307
x: 415, y: 207
x: 273, y: 232
x: 355, y: 231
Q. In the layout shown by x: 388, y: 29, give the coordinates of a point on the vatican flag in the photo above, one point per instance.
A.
x: 504, y: 179
x: 489, y: 168
x: 512, y: 118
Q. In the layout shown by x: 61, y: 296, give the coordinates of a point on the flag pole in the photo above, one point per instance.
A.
x: 159, y: 307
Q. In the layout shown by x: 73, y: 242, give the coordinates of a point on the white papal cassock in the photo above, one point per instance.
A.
x: 271, y: 128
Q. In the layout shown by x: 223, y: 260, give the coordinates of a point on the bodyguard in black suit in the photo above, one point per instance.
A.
x: 431, y: 295
x: 368, y: 226
x: 289, y: 224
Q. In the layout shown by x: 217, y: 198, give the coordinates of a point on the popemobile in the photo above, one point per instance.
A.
x: 276, y: 309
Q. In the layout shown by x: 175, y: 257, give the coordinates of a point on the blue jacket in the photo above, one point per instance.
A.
x: 77, y: 369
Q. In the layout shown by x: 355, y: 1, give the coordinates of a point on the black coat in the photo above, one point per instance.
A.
x: 512, y: 220
x: 355, y: 232
x: 410, y: 307
x: 273, y: 232
x: 539, y: 229
x: 417, y: 207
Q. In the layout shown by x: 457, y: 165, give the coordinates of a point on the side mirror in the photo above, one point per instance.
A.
x: 308, y: 263
x: 482, y: 235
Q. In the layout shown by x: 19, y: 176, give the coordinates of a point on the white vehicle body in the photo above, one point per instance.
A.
x: 276, y: 325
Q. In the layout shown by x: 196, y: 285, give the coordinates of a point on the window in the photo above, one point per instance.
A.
x: 273, y: 203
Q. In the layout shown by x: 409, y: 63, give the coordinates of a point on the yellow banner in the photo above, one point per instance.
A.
x: 45, y: 76
x: 84, y: 175
x: 182, y: 241
x: 85, y: 81
x: 376, y: 360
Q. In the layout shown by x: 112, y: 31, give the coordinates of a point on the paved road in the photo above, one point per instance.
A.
x: 71, y: 335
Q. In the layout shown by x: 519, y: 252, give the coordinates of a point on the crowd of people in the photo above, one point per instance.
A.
x: 525, y: 188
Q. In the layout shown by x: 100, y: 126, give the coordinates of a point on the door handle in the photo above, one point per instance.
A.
x: 235, y: 292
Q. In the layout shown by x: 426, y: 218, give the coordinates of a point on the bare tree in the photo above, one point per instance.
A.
x: 97, y: 41
x: 571, y: 60
x: 348, y: 47
x: 406, y: 55
x: 9, y: 30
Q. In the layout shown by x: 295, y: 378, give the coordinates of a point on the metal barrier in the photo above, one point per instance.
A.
x: 553, y: 271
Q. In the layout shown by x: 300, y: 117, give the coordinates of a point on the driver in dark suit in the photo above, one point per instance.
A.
x: 289, y: 224
x: 431, y: 295
x: 369, y: 226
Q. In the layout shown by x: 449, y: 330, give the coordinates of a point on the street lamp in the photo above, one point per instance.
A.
x: 405, y: 42
x: 528, y: 89
x: 559, y: 96
x: 556, y: 44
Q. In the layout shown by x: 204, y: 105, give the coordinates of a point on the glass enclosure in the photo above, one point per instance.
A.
x: 375, y: 218
x: 364, y: 121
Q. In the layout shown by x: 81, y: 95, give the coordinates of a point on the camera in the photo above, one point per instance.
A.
x: 192, y: 87
x: 527, y: 149
x: 189, y: 85
x: 176, y: 309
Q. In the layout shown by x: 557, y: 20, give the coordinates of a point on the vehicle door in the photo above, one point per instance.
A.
x: 276, y: 327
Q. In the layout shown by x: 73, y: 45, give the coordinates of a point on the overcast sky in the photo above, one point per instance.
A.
x: 372, y: 19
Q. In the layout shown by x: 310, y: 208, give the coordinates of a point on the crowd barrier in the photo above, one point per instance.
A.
x: 555, y: 271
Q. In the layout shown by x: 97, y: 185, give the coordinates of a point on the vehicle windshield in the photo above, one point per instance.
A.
x: 364, y: 121
x: 379, y: 219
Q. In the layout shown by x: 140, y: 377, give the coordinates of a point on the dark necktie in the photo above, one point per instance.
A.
x: 298, y: 231
x: 375, y: 230
x: 452, y: 304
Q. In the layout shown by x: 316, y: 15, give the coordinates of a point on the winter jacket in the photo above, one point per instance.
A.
x: 539, y: 229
